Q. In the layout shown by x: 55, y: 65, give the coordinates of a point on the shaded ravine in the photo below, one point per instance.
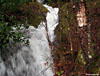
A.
x: 35, y: 59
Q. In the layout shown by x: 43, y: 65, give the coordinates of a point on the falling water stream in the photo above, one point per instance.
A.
x: 31, y: 60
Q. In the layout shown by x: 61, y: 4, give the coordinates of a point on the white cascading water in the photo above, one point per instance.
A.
x: 35, y: 59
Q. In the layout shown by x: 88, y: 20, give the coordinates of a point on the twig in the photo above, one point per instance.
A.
x: 70, y: 38
x: 44, y: 70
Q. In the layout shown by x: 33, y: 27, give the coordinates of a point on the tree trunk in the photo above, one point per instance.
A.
x: 82, y: 22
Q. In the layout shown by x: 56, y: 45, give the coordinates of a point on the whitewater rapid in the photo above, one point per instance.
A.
x: 35, y: 59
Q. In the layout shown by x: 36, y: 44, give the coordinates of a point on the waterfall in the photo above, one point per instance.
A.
x: 35, y: 59
x: 40, y: 1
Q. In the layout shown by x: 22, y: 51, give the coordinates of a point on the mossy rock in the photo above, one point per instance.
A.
x: 42, y: 8
x: 35, y: 12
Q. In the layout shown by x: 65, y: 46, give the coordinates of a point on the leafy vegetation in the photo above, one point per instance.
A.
x: 10, y: 24
x: 15, y: 15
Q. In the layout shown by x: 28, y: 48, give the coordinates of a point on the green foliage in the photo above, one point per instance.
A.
x: 11, y: 30
x: 13, y: 16
x: 10, y: 25
x: 12, y: 4
x: 81, y: 58
x: 59, y: 73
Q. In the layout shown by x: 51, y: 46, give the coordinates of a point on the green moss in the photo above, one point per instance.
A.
x: 64, y: 9
x: 35, y: 20
x: 35, y: 12
x: 42, y: 8
x: 81, y: 58
x: 62, y: 32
